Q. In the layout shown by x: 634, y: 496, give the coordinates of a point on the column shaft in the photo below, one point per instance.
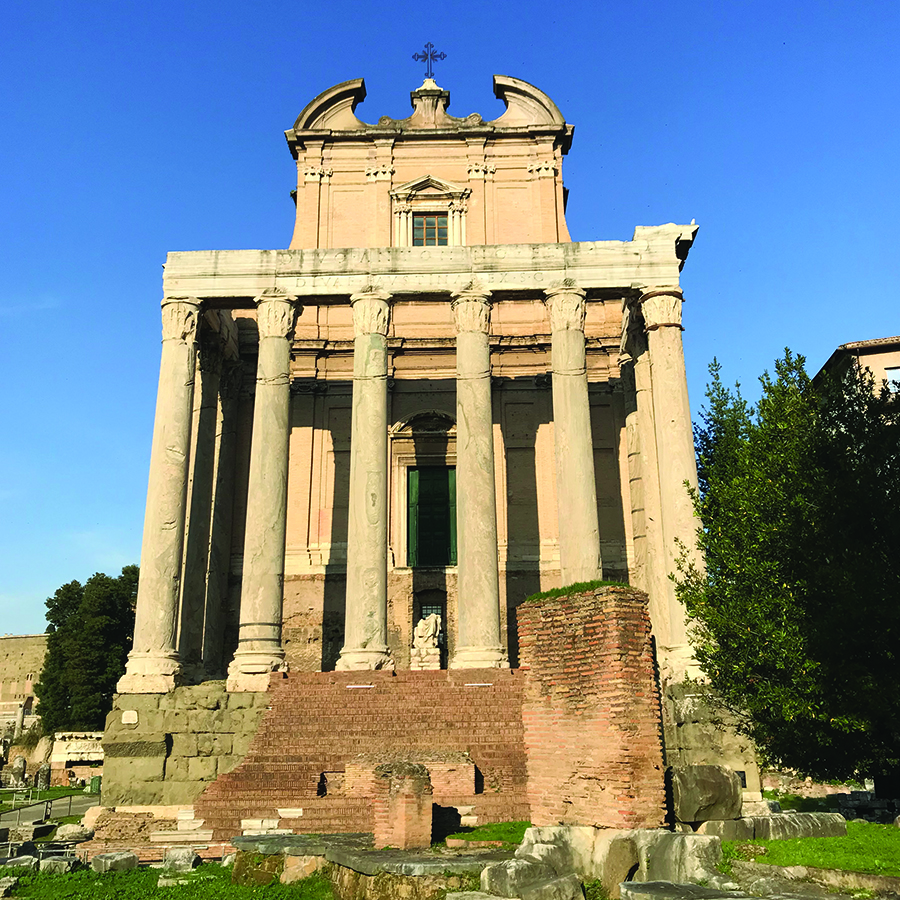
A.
x: 478, y: 643
x: 259, y: 649
x: 153, y: 664
x: 579, y: 530
x: 674, y: 440
x: 365, y: 624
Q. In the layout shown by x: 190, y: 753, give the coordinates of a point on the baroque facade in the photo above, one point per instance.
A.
x: 433, y: 403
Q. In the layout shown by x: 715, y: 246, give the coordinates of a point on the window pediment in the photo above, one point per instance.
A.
x: 428, y: 194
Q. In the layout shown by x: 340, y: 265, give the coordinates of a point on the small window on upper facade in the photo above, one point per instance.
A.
x: 429, y: 230
x: 892, y: 374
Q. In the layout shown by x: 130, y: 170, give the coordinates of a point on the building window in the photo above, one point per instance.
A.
x: 431, y: 494
x: 892, y: 374
x: 429, y: 230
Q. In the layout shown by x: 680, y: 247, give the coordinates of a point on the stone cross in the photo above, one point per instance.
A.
x: 428, y: 56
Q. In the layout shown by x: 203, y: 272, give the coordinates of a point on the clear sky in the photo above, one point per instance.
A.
x: 130, y: 129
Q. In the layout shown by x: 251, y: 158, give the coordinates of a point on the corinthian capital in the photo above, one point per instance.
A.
x: 661, y: 307
x: 472, y: 308
x: 276, y: 311
x: 371, y: 311
x: 566, y: 304
x: 179, y: 318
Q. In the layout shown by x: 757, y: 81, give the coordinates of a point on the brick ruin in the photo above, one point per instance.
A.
x: 572, y: 736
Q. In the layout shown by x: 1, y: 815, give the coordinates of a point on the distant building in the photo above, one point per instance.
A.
x: 21, y: 661
x: 881, y: 356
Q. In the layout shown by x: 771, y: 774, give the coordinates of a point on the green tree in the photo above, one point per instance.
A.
x: 795, y: 618
x: 89, y: 634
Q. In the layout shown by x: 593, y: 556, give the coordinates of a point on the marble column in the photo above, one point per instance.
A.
x: 218, y: 567
x: 576, y: 490
x: 661, y: 311
x: 478, y: 643
x: 365, y: 623
x: 259, y: 649
x: 202, y: 466
x: 153, y: 664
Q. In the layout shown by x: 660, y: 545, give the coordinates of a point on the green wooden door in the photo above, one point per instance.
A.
x: 431, y: 516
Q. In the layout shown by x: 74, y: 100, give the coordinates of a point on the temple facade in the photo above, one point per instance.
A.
x: 371, y: 446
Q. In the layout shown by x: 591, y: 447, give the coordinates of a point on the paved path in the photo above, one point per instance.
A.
x: 80, y: 803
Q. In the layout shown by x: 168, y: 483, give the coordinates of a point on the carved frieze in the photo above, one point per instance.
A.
x: 566, y: 304
x: 316, y: 173
x: 480, y: 170
x: 276, y: 311
x: 371, y: 311
x: 379, y: 173
x: 180, y: 318
x: 662, y: 307
x: 545, y: 168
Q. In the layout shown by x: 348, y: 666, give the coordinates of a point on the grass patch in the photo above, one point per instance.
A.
x: 508, y: 832
x: 796, y: 803
x: 578, y: 588
x: 868, y: 848
x: 593, y: 890
x: 208, y: 882
x: 21, y: 796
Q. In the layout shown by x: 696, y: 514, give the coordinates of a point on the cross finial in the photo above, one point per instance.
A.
x: 428, y: 56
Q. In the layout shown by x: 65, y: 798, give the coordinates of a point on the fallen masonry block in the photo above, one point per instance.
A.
x: 59, y: 865
x: 114, y: 862
x: 667, y: 890
x: 509, y: 878
x: 705, y: 792
x: 566, y: 888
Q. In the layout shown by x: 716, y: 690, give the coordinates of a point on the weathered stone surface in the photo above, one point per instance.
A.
x: 684, y: 858
x: 296, y: 868
x: 73, y: 832
x: 469, y: 895
x: 556, y: 855
x: 255, y: 870
x: 760, y: 807
x: 705, y: 792
x: 568, y: 887
x: 29, y: 863
x: 666, y: 890
x: 795, y: 825
x: 8, y: 885
x: 181, y: 859
x: 614, y: 859
x: 728, y: 829
x: 59, y: 865
x: 114, y: 862
x: 510, y: 878
x: 576, y: 842
x: 143, y: 744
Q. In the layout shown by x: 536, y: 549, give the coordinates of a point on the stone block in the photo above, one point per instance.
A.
x: 728, y: 829
x: 139, y: 702
x: 296, y: 868
x: 664, y: 890
x: 59, y: 865
x: 181, y: 859
x: 114, y: 862
x: 202, y: 768
x: 8, y: 885
x: 507, y: 879
x: 685, y: 858
x: 556, y: 856
x: 568, y: 887
x: 184, y: 745
x: 129, y: 769
x: 27, y: 863
x: 177, y: 768
x: 213, y: 744
x: 577, y: 842
x: 228, y: 763
x: 705, y: 792
x: 73, y: 832
x: 239, y: 701
x: 136, y: 745
x: 614, y: 859
x: 796, y: 825
x: 760, y: 807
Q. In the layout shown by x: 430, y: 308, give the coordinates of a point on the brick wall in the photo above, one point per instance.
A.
x: 591, y: 711
x: 318, y: 722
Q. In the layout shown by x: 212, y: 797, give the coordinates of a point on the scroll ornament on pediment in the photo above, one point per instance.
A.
x: 371, y: 311
x: 276, y: 312
x: 661, y: 308
x: 180, y: 318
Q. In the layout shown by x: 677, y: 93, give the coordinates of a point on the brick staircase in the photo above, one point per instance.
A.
x: 319, y: 721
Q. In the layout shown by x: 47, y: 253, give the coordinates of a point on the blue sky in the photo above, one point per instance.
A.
x: 130, y: 129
